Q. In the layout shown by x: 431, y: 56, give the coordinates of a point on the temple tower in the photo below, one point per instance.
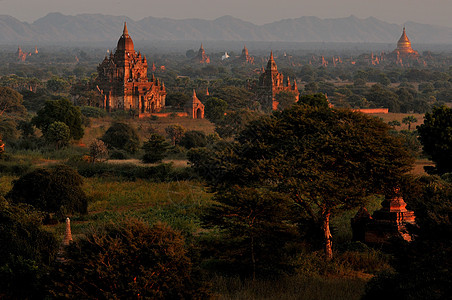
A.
x: 404, y: 48
x: 194, y: 108
x: 122, y: 80
x: 271, y: 82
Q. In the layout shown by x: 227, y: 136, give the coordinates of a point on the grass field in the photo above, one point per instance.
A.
x: 399, y: 117
x: 99, y: 126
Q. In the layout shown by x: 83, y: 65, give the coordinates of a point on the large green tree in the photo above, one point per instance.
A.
x: 436, y: 137
x: 327, y: 160
x: 11, y: 102
x: 61, y: 110
x: 215, y: 108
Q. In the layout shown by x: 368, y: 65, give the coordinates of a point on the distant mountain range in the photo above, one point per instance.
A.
x: 58, y: 28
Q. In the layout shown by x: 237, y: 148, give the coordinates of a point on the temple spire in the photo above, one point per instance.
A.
x: 67, y: 235
x: 125, y: 31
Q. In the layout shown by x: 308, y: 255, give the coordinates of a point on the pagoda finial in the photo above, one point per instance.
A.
x: 271, y: 54
x: 125, y: 31
x: 194, y: 93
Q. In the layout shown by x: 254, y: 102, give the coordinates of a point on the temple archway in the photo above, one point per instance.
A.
x: 199, y: 114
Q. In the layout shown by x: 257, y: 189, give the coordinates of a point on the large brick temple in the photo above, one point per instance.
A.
x: 123, y: 80
x: 271, y: 82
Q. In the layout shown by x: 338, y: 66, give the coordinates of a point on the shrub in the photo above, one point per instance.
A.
x: 118, y: 154
x: 57, y: 190
x: 26, y: 251
x: 155, y: 149
x: 98, y: 150
x: 129, y: 260
x: 93, y: 112
x: 58, y: 134
x: 193, y: 139
x: 122, y: 136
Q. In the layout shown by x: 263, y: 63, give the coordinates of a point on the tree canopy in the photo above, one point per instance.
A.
x: 61, y: 110
x: 11, y: 102
x: 122, y: 136
x: 325, y: 159
x: 57, y: 190
x: 129, y: 260
x: 26, y: 252
x: 436, y: 137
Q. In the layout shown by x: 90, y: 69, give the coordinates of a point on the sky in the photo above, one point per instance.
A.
x: 435, y: 12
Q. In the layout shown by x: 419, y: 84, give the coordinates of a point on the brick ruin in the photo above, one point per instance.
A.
x: 388, y: 222
x: 271, y: 82
x: 123, y: 81
x: 194, y: 108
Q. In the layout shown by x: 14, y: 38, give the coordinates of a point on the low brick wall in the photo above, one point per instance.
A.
x: 373, y: 110
x: 164, y: 115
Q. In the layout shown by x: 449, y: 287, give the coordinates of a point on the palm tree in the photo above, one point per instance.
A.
x: 408, y: 120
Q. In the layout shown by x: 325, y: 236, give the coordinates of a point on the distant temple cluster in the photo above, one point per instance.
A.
x: 22, y: 56
x: 271, y: 82
x: 124, y: 85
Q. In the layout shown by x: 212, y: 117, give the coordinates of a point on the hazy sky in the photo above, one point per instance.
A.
x: 256, y: 11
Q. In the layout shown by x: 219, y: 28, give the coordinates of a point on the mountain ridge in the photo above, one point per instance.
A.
x: 59, y: 28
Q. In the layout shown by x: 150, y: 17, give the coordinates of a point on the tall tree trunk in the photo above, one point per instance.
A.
x: 327, y: 233
x: 253, y: 259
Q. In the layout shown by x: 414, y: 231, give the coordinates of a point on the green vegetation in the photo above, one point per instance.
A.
x: 26, y: 252
x: 52, y: 191
x: 123, y: 137
x: 127, y: 260
x: 326, y: 160
x: 155, y: 149
x: 436, y: 137
x: 60, y: 110
x: 259, y: 237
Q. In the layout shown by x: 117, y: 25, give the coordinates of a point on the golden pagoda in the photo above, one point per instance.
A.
x: 404, y: 46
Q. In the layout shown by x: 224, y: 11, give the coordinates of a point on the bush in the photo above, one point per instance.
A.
x: 118, y: 154
x: 57, y: 190
x: 93, y: 112
x: 155, y: 149
x: 58, y: 134
x: 26, y: 251
x: 122, y: 136
x: 194, y: 139
x: 159, y: 173
x: 126, y: 261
